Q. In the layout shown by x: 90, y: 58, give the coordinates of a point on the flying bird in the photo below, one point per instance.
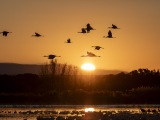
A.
x: 90, y: 54
x: 89, y: 28
x: 83, y: 30
x: 5, y: 33
x: 51, y: 56
x: 114, y: 27
x: 37, y: 35
x: 68, y: 40
x: 98, y: 47
x: 109, y: 35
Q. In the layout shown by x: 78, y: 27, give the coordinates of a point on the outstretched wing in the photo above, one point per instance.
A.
x: 37, y: 34
x: 90, y: 54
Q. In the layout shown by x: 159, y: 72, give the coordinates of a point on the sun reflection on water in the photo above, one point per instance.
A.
x: 89, y: 110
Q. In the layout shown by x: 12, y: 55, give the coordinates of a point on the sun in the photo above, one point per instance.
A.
x: 88, y: 67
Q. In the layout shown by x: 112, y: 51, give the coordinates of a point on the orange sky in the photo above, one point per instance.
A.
x: 136, y: 45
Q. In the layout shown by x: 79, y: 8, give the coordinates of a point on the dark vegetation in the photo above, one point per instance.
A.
x: 65, y: 84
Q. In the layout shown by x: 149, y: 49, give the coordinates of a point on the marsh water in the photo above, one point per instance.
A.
x: 77, y: 112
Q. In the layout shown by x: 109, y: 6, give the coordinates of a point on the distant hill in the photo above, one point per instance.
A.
x: 14, y: 68
x: 106, y: 72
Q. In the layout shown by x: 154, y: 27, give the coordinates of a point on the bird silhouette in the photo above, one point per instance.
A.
x: 89, y: 28
x: 114, y: 27
x: 51, y: 56
x: 98, y: 47
x: 68, y: 40
x: 143, y: 110
x: 37, y: 35
x: 83, y: 30
x: 154, y: 111
x: 90, y: 54
x: 109, y: 35
x: 149, y: 110
x: 5, y: 33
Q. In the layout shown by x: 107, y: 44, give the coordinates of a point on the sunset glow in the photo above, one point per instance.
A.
x: 88, y: 67
x: 57, y: 21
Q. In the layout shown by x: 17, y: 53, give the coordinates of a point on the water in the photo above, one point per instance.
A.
x: 77, y: 112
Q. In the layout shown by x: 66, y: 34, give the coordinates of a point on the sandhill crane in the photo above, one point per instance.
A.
x: 149, y: 110
x: 89, y: 28
x: 5, y: 33
x: 154, y: 111
x: 90, y: 54
x: 51, y: 56
x: 143, y: 110
x: 98, y: 47
x: 83, y: 30
x: 114, y: 27
x: 37, y: 35
x: 68, y: 40
x: 109, y: 35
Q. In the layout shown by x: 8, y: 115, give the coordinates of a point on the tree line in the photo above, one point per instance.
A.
x: 66, y: 84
